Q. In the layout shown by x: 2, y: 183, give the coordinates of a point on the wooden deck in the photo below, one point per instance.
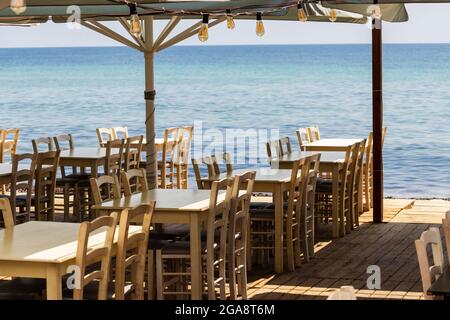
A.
x: 344, y: 261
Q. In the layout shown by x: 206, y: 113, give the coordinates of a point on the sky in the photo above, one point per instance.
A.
x: 427, y: 24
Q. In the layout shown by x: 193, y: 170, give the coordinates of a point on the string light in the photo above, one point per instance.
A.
x: 18, y: 6
x: 135, y: 21
x: 302, y: 16
x: 333, y: 15
x: 230, y: 21
x: 259, y: 25
x: 203, y: 32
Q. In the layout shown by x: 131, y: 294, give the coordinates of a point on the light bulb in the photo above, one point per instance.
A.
x: 333, y: 15
x: 230, y: 22
x: 259, y: 25
x: 302, y: 16
x: 135, y: 26
x: 203, y: 33
x: 135, y: 22
x: 18, y: 6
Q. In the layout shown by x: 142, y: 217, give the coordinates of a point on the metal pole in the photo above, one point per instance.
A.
x: 377, y: 120
x: 150, y: 103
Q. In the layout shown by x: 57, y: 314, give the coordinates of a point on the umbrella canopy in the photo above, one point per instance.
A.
x: 103, y: 10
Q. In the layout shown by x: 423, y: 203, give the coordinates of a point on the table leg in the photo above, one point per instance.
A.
x: 54, y: 286
x: 278, y: 202
x: 335, y: 204
x: 94, y: 170
x: 196, y: 257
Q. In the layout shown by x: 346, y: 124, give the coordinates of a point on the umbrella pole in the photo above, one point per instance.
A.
x: 377, y: 111
x: 150, y: 103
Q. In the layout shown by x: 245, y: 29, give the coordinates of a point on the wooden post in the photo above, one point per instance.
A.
x: 150, y: 103
x: 377, y: 121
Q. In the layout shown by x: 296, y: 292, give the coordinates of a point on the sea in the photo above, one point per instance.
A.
x: 259, y: 91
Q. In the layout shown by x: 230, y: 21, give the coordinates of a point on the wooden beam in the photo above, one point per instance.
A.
x: 377, y: 120
x: 125, y: 24
x: 188, y: 33
x: 98, y: 27
x: 166, y: 31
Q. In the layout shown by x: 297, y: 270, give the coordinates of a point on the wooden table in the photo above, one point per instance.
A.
x: 331, y: 144
x: 84, y: 158
x: 179, y: 207
x: 276, y: 182
x: 44, y: 250
x: 329, y: 162
x: 441, y: 287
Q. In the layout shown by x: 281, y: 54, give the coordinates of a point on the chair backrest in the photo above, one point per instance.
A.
x: 184, y: 144
x: 285, y: 146
x: 368, y: 153
x: 89, y: 256
x: 383, y: 135
x: 7, y: 215
x: 357, y: 178
x: 8, y: 145
x: 114, y: 157
x: 46, y: 143
x: 273, y: 149
x: 344, y: 293
x: 132, y: 250
x: 133, y: 150
x: 104, y: 135
x: 22, y: 178
x: 218, y: 215
x: 238, y: 225
x: 105, y: 188
x: 119, y: 133
x: 314, y: 164
x: 64, y: 142
x: 430, y: 273
x: 46, y: 170
x: 134, y: 180
x: 168, y: 156
x: 314, y: 133
x: 303, y: 137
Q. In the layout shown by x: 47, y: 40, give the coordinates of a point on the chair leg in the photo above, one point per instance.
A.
x: 66, y: 202
x: 159, y: 276
x: 151, y: 275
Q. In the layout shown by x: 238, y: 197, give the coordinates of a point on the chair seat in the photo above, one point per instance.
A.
x: 324, y: 185
x: 171, y: 232
x: 182, y: 248
x: 21, y: 200
x: 22, y: 289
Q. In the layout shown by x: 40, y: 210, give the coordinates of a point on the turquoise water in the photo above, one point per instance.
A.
x: 52, y: 91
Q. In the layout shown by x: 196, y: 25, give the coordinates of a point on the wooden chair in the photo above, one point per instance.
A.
x: 46, y: 143
x: 177, y: 254
x: 237, y: 234
x: 303, y: 137
x: 357, y: 187
x: 133, y: 150
x: 262, y: 221
x: 43, y: 199
x: 132, y: 250
x: 135, y: 180
x: 446, y: 227
x: 114, y: 157
x: 430, y: 273
x: 22, y: 181
x: 166, y: 166
x: 67, y: 184
x: 324, y: 199
x: 104, y: 188
x: 87, y: 257
x: 7, y: 215
x: 307, y: 219
x: 182, y: 158
x: 8, y: 145
x: 119, y: 133
x: 104, y: 135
